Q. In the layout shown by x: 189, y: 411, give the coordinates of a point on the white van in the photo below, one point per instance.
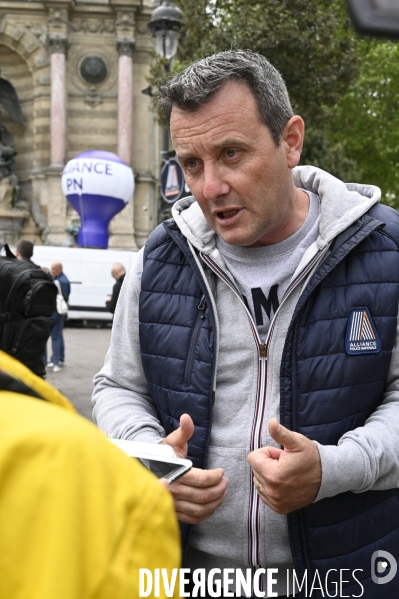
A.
x: 89, y: 272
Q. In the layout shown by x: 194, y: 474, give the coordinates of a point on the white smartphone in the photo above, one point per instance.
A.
x: 159, y: 459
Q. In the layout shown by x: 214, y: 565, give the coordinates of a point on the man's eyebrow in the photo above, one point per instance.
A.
x: 226, y: 143
x: 184, y: 156
x: 231, y: 142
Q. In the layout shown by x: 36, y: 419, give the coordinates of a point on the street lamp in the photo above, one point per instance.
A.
x: 165, y: 24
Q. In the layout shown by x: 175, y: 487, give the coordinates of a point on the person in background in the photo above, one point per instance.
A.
x: 118, y: 272
x: 24, y: 251
x: 92, y: 516
x: 49, y: 273
x: 57, y: 336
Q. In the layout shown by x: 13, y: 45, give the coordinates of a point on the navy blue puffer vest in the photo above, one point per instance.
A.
x: 324, y: 391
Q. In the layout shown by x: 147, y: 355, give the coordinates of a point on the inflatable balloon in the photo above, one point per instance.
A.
x: 98, y: 185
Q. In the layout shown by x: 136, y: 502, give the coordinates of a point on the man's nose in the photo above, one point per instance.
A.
x: 215, y: 183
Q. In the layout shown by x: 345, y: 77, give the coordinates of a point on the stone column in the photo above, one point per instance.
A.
x: 58, y: 47
x: 125, y: 99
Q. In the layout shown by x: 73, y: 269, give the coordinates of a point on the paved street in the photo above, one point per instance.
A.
x: 85, y: 351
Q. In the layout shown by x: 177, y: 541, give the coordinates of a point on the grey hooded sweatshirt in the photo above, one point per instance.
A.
x: 364, y: 459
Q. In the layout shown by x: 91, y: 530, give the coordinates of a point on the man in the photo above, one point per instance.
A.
x: 78, y: 518
x: 266, y: 313
x: 24, y: 251
x: 118, y: 271
x: 57, y: 336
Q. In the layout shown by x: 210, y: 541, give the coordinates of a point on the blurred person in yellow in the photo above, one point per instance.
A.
x: 78, y: 518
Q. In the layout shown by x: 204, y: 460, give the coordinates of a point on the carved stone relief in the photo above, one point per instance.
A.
x: 58, y: 17
x: 93, y: 98
x: 39, y: 30
x: 125, y: 47
x: 92, y: 25
x: 125, y: 20
x: 58, y: 44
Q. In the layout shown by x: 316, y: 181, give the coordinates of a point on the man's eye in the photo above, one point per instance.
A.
x: 231, y: 153
x: 192, y: 163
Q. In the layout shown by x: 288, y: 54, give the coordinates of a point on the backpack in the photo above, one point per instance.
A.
x: 27, y: 301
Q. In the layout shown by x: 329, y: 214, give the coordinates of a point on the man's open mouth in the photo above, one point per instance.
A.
x: 227, y: 214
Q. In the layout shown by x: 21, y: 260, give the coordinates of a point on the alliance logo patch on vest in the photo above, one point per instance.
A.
x: 361, y: 333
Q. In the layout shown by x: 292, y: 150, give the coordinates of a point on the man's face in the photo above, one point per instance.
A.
x: 240, y: 178
x: 56, y: 269
x: 115, y: 273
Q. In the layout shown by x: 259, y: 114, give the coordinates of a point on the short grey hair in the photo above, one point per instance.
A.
x: 193, y: 87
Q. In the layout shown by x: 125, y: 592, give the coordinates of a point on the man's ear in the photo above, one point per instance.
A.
x: 292, y: 138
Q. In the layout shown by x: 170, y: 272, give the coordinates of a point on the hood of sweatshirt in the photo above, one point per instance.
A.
x: 341, y: 204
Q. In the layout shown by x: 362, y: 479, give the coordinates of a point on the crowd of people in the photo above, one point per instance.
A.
x: 24, y: 251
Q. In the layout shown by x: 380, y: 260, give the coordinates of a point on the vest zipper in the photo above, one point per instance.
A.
x: 193, y: 342
x: 315, y: 262
x: 260, y: 403
x: 257, y: 427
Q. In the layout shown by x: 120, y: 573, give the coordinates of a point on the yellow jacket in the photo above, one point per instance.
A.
x: 78, y: 518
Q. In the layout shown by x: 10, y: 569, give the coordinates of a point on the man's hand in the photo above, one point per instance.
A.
x: 288, y: 479
x: 198, y: 493
x: 178, y: 439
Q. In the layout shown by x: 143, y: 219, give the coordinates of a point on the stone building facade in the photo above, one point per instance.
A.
x: 78, y: 67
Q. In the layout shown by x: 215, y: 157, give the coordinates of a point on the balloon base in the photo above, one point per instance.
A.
x: 95, y: 213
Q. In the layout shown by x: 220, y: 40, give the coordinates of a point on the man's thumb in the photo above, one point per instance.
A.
x: 178, y: 439
x: 283, y: 436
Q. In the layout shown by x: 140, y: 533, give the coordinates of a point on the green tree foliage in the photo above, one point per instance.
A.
x: 309, y: 41
x: 368, y: 119
x: 343, y: 86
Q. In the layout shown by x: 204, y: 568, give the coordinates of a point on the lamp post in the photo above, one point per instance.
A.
x: 165, y: 24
